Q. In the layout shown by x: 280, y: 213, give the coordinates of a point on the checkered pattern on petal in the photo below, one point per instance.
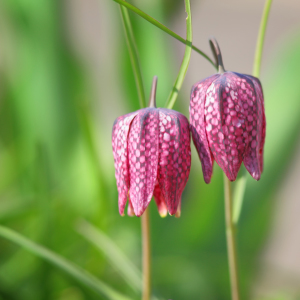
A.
x: 261, y: 106
x: 197, y: 119
x: 230, y: 136
x: 234, y: 123
x: 119, y: 144
x: 143, y: 158
x: 253, y: 123
x: 174, y: 156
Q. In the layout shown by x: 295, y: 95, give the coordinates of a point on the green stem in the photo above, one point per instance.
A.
x: 133, y: 53
x: 186, y: 58
x: 231, y: 244
x: 261, y: 39
x: 145, y: 227
x: 76, y: 272
x: 239, y: 192
x: 163, y: 28
x: 146, y: 249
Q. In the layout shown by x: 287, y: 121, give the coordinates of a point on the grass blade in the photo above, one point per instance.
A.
x: 116, y: 257
x: 238, y: 196
x: 186, y: 58
x: 163, y: 28
x: 76, y: 272
x: 261, y: 38
x: 133, y: 53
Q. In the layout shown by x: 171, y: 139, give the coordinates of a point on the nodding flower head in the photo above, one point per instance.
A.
x: 228, y: 121
x: 152, y: 154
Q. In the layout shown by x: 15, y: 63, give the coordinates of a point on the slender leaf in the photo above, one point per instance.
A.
x: 238, y: 196
x: 261, y: 38
x: 186, y: 58
x: 81, y: 275
x: 116, y: 257
x: 130, y: 40
x: 164, y: 28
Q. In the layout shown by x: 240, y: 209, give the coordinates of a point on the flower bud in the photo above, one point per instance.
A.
x: 228, y: 121
x: 152, y: 155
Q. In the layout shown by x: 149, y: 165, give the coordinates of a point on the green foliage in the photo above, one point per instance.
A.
x: 57, y: 166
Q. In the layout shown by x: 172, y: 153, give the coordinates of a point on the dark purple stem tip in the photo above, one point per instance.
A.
x: 217, y: 54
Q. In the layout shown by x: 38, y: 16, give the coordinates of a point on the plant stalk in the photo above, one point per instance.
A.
x: 261, y: 38
x: 186, y: 58
x: 231, y: 244
x: 134, y: 56
x: 146, y: 256
x: 163, y: 28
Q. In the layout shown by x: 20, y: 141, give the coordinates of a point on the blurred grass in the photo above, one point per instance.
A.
x: 56, y: 164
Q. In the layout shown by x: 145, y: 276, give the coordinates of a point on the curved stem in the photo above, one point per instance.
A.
x: 186, y: 58
x: 163, y: 28
x: 217, y: 54
x: 133, y: 53
x: 146, y: 263
x: 230, y: 237
x: 152, y: 99
x: 261, y: 38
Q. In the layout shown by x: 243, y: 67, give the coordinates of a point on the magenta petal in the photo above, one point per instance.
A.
x: 262, y: 143
x: 261, y: 110
x: 254, y: 126
x: 197, y: 126
x: 130, y: 211
x: 225, y: 123
x: 160, y: 201
x: 143, y: 158
x: 119, y: 143
x: 174, y: 156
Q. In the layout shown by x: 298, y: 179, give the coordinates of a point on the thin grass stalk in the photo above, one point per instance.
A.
x: 186, y: 58
x: 163, y: 28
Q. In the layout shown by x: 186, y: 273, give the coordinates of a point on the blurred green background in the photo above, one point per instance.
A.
x: 65, y: 75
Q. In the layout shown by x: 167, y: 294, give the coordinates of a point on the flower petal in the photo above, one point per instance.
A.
x: 143, y: 158
x: 254, y: 121
x: 261, y: 105
x: 160, y: 201
x: 174, y: 156
x: 178, y: 212
x: 130, y: 211
x: 119, y: 144
x: 197, y: 126
x: 229, y: 114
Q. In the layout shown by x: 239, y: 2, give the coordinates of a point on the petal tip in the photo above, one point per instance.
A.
x: 255, y: 176
x: 163, y: 211
x: 178, y: 212
x: 207, y: 179
x: 130, y: 211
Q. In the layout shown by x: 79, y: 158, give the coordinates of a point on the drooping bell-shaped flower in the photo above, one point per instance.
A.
x: 228, y: 122
x: 152, y: 155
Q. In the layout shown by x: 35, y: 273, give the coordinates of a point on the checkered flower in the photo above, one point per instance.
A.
x: 228, y: 121
x: 152, y: 155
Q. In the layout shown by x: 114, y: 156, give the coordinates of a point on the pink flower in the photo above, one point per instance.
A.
x: 228, y: 122
x: 152, y: 154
